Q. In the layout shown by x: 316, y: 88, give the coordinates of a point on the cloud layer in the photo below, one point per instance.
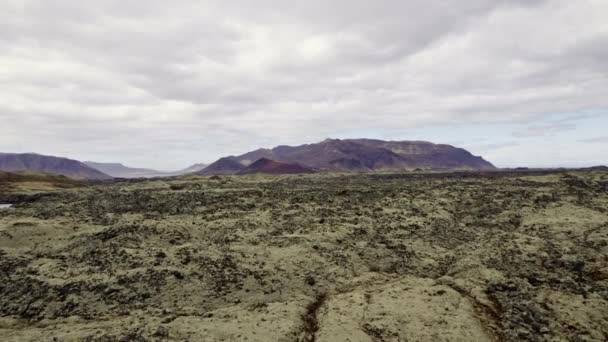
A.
x: 166, y: 84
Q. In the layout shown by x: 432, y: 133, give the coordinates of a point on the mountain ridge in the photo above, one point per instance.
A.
x: 360, y: 155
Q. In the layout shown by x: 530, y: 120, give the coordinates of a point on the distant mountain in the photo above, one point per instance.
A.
x: 224, y: 166
x: 596, y: 168
x: 428, y: 155
x: 120, y: 171
x: 353, y: 155
x: 268, y: 166
x: 13, y: 162
x: 192, y: 169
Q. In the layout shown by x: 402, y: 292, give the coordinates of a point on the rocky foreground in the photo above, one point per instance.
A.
x: 378, y: 257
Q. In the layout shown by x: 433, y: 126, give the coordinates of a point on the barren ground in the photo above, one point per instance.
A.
x: 378, y: 257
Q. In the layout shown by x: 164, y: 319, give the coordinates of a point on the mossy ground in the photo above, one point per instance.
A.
x: 367, y: 257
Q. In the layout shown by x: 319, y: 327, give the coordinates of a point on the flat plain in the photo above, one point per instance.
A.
x: 458, y: 256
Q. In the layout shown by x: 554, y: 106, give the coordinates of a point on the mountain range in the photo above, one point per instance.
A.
x: 356, y: 155
x: 330, y: 155
x: 120, y: 171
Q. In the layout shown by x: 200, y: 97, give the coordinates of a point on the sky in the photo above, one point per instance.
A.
x: 165, y: 84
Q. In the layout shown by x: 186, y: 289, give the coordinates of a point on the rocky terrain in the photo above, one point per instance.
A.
x: 13, y: 162
x: 15, y: 185
x: 461, y: 256
x: 356, y: 155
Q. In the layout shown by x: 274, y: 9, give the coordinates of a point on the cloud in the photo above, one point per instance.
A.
x: 596, y: 140
x: 165, y: 85
x: 492, y: 147
x: 548, y: 129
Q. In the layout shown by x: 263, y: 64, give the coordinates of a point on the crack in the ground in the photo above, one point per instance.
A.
x: 374, y: 333
x: 487, y: 316
x: 311, y: 319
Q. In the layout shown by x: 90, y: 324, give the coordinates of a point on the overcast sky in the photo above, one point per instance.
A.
x: 165, y: 84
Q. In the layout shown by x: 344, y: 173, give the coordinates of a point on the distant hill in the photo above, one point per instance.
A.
x: 191, y: 169
x: 268, y: 166
x: 224, y: 166
x: 596, y: 168
x: 13, y: 162
x: 352, y: 155
x: 121, y: 171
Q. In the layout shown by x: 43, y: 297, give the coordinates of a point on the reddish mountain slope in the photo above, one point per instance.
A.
x: 224, y: 166
x: 268, y: 166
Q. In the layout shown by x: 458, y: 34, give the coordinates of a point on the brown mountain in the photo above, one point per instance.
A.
x: 272, y: 167
x: 367, y: 155
x: 224, y: 166
x: 13, y: 162
x: 428, y: 155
